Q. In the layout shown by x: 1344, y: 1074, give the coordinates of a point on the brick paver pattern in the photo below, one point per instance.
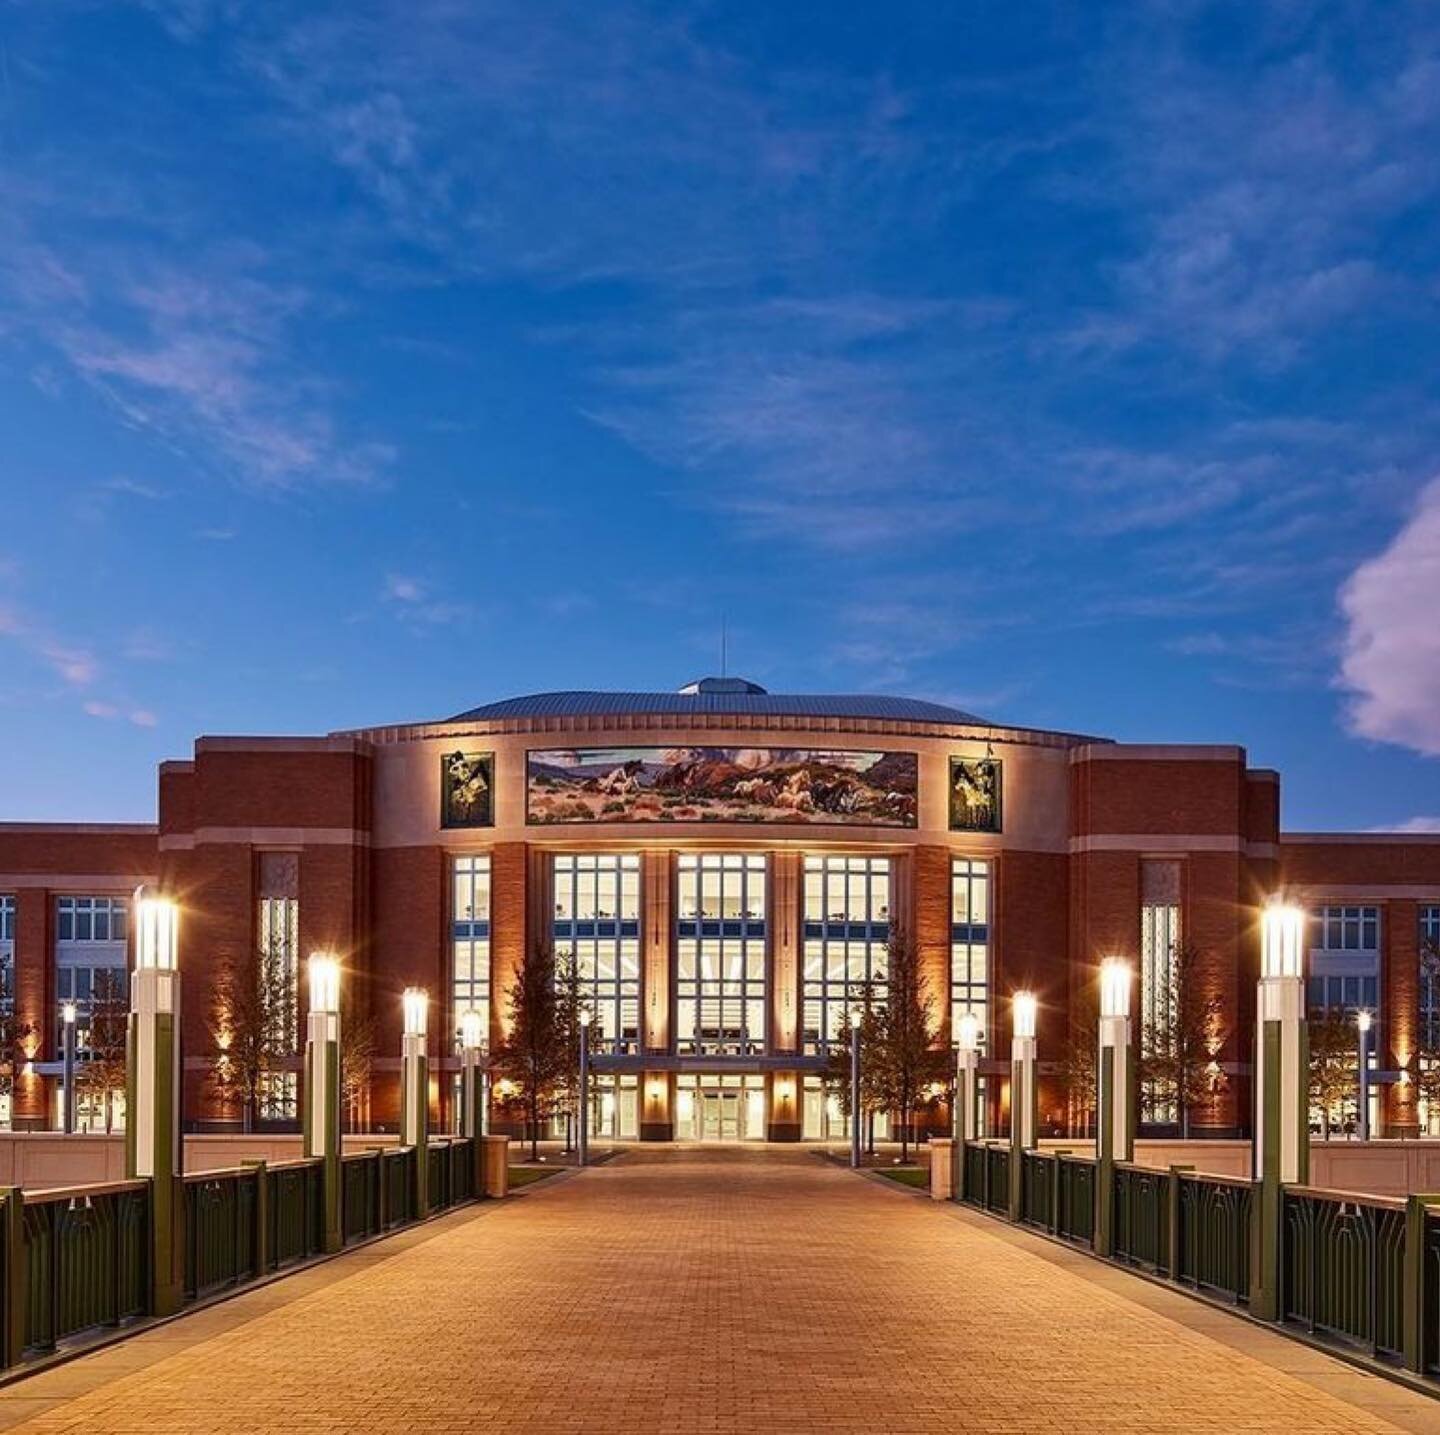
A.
x: 710, y: 1291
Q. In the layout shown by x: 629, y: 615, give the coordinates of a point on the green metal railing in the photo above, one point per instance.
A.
x: 1142, y: 1217
x: 222, y: 1234
x: 296, y: 1217
x: 360, y: 1196
x: 1343, y: 1267
x: 84, y: 1256
x: 976, y: 1165
x: 997, y: 1178
x: 1075, y: 1199
x: 1214, y: 1227
x: 397, y: 1182
x: 1037, y: 1189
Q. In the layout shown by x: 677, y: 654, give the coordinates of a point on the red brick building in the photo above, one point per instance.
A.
x: 727, y: 865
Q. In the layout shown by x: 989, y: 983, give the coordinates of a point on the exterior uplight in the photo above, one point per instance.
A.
x: 157, y: 923
x: 968, y: 1032
x: 1023, y: 1006
x: 1282, y: 940
x: 1115, y: 982
x: 324, y: 982
x: 416, y: 1005
x: 472, y: 1034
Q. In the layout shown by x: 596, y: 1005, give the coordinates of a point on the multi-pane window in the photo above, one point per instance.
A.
x: 1430, y: 973
x: 847, y: 931
x: 597, y: 923
x: 91, y: 919
x: 470, y: 941
x: 720, y: 951
x: 278, y: 941
x: 1344, y: 961
x: 101, y: 995
x: 970, y: 944
x: 7, y: 954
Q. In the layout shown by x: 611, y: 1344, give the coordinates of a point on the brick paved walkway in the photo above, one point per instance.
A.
x: 712, y: 1291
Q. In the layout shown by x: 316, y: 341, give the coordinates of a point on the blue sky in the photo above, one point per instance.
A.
x: 1074, y: 364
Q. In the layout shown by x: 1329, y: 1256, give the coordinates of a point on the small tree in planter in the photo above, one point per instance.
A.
x: 1179, y: 1049
x: 1334, y: 1065
x: 533, y: 1056
x: 357, y: 1062
x: 254, y: 1028
x: 100, y: 1074
x: 867, y: 1000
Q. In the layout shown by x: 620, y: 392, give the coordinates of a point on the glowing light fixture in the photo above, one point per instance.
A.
x: 1115, y: 982
x: 324, y: 982
x: 1363, y: 1020
x: 1023, y: 1006
x: 67, y: 1013
x: 856, y: 1017
x: 586, y: 1016
x: 968, y: 1032
x: 1282, y: 940
x: 472, y: 1034
x: 416, y: 1005
x: 157, y: 930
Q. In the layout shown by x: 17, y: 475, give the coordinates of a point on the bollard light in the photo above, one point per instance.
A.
x: 1282, y: 939
x: 472, y: 1031
x: 1115, y: 983
x: 1023, y: 1006
x: 416, y: 1005
x: 968, y: 1032
x: 157, y: 924
x: 67, y: 1013
x: 324, y: 982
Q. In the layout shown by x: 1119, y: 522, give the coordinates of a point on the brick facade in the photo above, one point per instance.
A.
x: 360, y: 813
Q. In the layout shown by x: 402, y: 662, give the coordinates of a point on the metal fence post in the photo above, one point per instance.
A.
x: 262, y: 1214
x: 1415, y: 1338
x: 1174, y: 1252
x: 15, y: 1287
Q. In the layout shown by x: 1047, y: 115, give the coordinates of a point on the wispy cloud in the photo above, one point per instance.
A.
x: 1412, y: 825
x: 1390, y: 659
x: 412, y: 600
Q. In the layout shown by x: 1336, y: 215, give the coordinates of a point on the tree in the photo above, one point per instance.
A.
x: 1426, y: 1061
x: 902, y: 1052
x: 868, y: 1000
x: 254, y: 1025
x: 100, y: 1073
x: 1334, y: 1067
x: 16, y: 1037
x: 570, y: 1002
x: 357, y: 1060
x: 1078, y: 1062
x: 535, y: 1055
x: 1179, y: 1048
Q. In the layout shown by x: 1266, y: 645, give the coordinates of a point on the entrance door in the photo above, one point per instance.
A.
x: 719, y: 1115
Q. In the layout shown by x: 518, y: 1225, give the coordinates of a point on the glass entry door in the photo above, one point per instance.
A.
x: 720, y: 1118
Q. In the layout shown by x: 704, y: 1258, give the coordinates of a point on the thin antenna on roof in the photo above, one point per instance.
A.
x: 724, y: 649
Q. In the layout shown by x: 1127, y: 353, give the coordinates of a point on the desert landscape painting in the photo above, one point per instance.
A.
x: 721, y: 784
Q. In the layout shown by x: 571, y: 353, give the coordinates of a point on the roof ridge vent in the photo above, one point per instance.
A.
x: 721, y: 685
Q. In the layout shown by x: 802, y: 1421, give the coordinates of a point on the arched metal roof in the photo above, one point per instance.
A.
x: 730, y: 703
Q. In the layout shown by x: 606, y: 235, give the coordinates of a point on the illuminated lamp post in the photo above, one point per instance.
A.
x: 1282, y: 1125
x: 415, y: 1090
x: 585, y: 1087
x: 1363, y: 1022
x: 67, y: 1024
x: 967, y: 1095
x: 856, y: 1017
x: 153, y: 1147
x: 322, y: 1088
x: 1115, y: 1104
x: 1024, y: 1094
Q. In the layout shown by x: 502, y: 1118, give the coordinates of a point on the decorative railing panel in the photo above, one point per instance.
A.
x: 1213, y: 1246
x: 221, y: 1230
x: 1075, y: 1199
x: 295, y: 1212
x: 1343, y: 1267
x: 997, y: 1195
x: 360, y: 1196
x: 1142, y: 1217
x: 85, y: 1255
x: 975, y: 1164
x: 1037, y: 1189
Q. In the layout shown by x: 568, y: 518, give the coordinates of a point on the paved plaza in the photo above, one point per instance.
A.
x: 712, y: 1290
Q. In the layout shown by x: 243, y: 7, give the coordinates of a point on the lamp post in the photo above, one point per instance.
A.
x: 1114, y: 1105
x: 1363, y: 1021
x: 153, y: 1147
x: 585, y: 1086
x: 856, y: 1017
x: 1282, y: 1126
x: 322, y: 1087
x: 1024, y: 1097
x: 415, y: 1090
x: 67, y: 1023
x: 967, y: 1095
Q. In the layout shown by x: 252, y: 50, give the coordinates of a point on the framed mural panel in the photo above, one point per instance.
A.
x: 721, y: 784
x: 975, y: 794
x: 467, y: 789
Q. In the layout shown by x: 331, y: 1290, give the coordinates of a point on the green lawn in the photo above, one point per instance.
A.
x: 906, y: 1175
x: 528, y: 1175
